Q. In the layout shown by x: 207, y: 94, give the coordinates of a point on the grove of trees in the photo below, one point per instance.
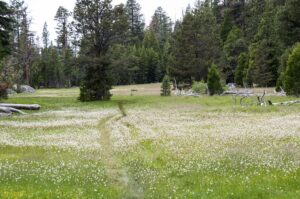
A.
x: 250, y: 42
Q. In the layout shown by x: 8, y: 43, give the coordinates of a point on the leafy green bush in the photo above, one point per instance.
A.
x: 199, y: 87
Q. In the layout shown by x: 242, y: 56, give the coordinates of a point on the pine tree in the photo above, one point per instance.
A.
x: 264, y: 53
x: 214, y: 81
x: 282, y: 68
x: 226, y: 26
x: 166, y: 87
x: 136, y: 22
x: 5, y: 24
x: 241, y: 70
x: 45, y: 36
x: 233, y: 47
x: 292, y: 74
x: 288, y: 22
x: 61, y: 17
x: 97, y: 36
x: 161, y: 25
x: 5, y: 28
x: 151, y: 41
x: 195, y: 45
x: 94, y: 88
x: 120, y: 25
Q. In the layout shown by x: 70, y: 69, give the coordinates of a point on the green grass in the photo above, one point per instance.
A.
x: 148, y: 146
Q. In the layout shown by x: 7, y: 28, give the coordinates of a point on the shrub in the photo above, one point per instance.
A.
x: 166, y: 86
x: 199, y: 87
x: 214, y: 81
x: 292, y: 75
x: 3, y: 90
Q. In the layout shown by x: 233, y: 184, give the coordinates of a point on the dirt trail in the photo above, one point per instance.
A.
x: 117, y: 173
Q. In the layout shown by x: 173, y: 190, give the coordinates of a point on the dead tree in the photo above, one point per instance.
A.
x: 9, y: 109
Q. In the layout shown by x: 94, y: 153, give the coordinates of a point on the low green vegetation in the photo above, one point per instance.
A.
x: 149, y: 146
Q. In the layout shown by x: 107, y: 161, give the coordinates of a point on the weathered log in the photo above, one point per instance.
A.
x: 22, y: 106
x: 9, y: 110
x: 284, y: 103
x: 238, y: 93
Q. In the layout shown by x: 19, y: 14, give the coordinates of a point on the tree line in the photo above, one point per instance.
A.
x: 250, y: 42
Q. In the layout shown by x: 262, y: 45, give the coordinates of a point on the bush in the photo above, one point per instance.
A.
x: 199, y: 87
x: 166, y: 87
x: 292, y: 75
x: 97, y: 82
x: 214, y: 81
x: 3, y: 90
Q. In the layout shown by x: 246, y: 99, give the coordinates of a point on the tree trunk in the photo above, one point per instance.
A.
x: 22, y: 106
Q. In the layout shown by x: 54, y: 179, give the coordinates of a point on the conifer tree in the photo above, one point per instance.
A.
x: 195, y: 45
x: 136, y: 22
x: 233, y: 47
x: 288, y: 22
x: 161, y: 25
x: 97, y: 36
x: 264, y: 53
x: 214, y: 81
x: 5, y: 28
x: 45, y: 36
x: 166, y: 87
x: 241, y: 70
x: 94, y: 88
x: 292, y: 74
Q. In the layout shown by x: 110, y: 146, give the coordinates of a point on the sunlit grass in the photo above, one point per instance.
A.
x: 154, y: 147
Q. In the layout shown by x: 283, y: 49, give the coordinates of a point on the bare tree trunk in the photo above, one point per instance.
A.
x: 22, y: 106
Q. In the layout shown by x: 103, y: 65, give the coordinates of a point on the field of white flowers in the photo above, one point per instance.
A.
x: 163, y: 148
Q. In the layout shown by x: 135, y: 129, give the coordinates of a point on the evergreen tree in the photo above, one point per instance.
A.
x: 253, y: 13
x: 94, y: 88
x: 61, y: 17
x: 292, y: 74
x: 166, y: 87
x: 214, y: 81
x: 161, y: 25
x: 5, y: 28
x: 45, y: 36
x: 136, y: 22
x: 151, y: 41
x: 264, y: 52
x: 120, y: 25
x: 241, y: 70
x: 226, y: 26
x: 282, y: 68
x: 288, y: 22
x: 233, y: 47
x: 195, y: 45
x: 97, y: 36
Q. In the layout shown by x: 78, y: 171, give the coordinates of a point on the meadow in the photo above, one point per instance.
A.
x: 147, y: 146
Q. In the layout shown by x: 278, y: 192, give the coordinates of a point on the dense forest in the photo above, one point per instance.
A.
x: 251, y: 43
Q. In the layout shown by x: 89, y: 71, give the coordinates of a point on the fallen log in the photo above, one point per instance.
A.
x: 288, y: 103
x: 22, y: 106
x: 9, y: 110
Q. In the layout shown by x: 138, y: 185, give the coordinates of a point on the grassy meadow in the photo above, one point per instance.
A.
x: 154, y: 147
